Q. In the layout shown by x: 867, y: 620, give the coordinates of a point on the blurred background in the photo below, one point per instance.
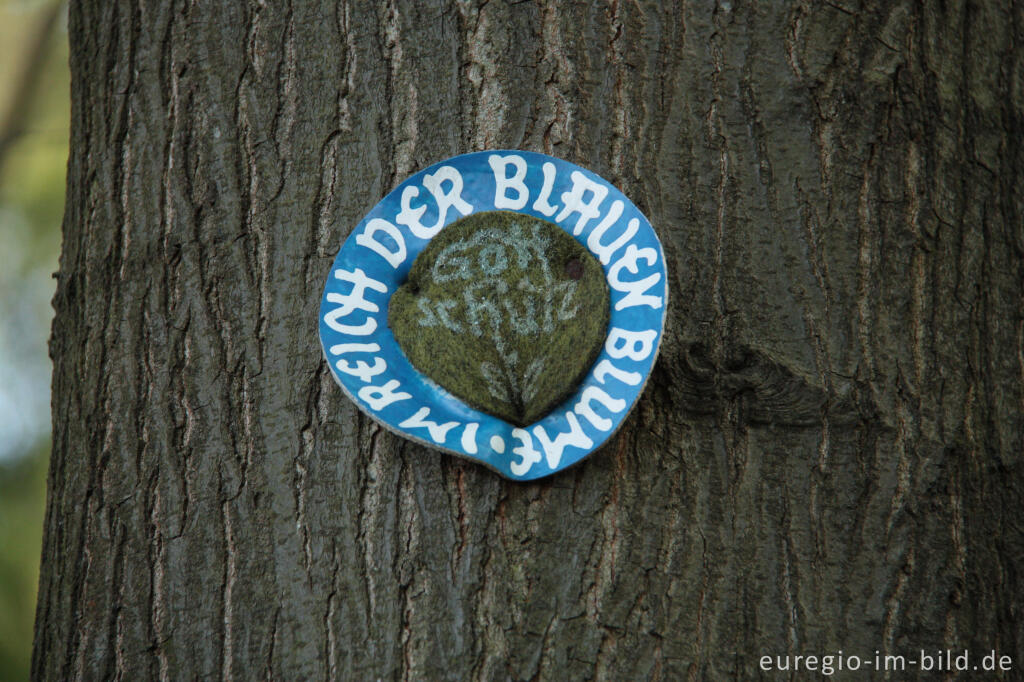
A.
x: 34, y: 119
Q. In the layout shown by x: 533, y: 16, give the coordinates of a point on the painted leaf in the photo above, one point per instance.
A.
x: 505, y: 311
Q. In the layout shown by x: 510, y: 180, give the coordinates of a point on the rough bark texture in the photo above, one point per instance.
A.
x: 828, y: 455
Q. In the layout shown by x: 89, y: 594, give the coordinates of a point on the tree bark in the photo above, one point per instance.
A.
x: 827, y: 456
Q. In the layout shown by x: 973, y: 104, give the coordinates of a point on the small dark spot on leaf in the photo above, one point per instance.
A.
x: 574, y: 268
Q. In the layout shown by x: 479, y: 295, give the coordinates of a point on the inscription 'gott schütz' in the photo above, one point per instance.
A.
x: 479, y: 262
x: 497, y: 297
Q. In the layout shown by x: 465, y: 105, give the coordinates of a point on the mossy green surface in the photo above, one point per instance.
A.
x: 505, y: 311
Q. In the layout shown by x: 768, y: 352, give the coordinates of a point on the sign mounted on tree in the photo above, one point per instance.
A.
x: 504, y: 306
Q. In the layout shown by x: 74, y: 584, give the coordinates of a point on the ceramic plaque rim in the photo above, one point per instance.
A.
x: 366, y: 361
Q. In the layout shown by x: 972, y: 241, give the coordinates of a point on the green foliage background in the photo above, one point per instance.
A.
x: 32, y: 179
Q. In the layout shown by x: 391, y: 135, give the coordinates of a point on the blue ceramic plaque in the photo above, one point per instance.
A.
x: 375, y: 261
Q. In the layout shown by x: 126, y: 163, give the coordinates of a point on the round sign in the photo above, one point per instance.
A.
x: 375, y: 262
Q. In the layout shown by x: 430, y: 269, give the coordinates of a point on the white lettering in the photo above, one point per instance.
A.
x: 362, y: 369
x: 604, y: 251
x: 355, y: 299
x: 498, y: 444
x: 574, y: 203
x: 528, y: 454
x: 503, y: 183
x: 379, y: 397
x: 586, y: 410
x: 469, y: 438
x: 419, y: 420
x: 410, y: 217
x: 542, y: 205
x: 352, y: 301
x: 605, y: 367
x: 635, y: 290
x: 394, y: 257
x: 365, y: 329
x: 553, y: 449
x: 342, y: 348
x: 635, y: 345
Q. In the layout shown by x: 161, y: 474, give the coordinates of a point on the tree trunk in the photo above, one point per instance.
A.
x: 828, y: 454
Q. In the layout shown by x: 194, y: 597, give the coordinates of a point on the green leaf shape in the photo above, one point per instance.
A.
x: 505, y: 311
